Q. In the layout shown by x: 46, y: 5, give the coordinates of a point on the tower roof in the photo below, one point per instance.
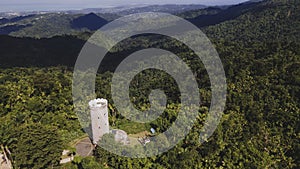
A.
x: 98, y: 103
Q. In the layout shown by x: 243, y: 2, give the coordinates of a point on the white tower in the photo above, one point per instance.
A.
x: 99, y: 118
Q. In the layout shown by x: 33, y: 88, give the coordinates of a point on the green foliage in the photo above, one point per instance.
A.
x: 37, y: 146
x: 268, y: 21
x: 37, y: 117
x: 259, y: 129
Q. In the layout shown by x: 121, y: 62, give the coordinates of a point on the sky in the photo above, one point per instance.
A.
x: 41, y: 5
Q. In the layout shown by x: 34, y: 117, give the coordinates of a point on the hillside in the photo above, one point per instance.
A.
x: 90, y: 21
x: 27, y: 52
x: 267, y: 21
x: 223, y: 15
x: 53, y: 24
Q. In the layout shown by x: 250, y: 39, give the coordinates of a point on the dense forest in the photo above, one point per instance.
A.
x: 259, y: 46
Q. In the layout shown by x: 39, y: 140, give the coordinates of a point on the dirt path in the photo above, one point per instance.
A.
x: 3, y: 164
x: 84, y: 147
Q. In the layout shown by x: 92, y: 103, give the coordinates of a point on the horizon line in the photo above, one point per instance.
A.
x: 64, y: 9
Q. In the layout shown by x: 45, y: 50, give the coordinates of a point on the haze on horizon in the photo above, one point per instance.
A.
x: 46, y: 5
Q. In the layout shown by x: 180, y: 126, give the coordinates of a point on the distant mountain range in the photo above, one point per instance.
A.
x: 120, y: 10
x: 52, y: 24
x: 46, y: 25
x: 126, y: 10
x: 264, y: 22
x: 90, y: 21
x: 221, y: 15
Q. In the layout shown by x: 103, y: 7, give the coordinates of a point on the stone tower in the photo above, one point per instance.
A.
x: 99, y: 118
